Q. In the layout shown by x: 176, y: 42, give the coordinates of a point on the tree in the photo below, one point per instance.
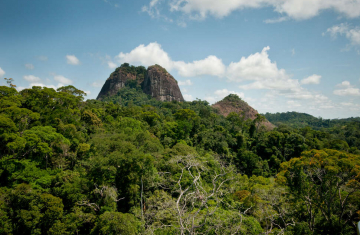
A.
x: 197, y: 200
x: 113, y: 223
x: 326, y: 182
x: 10, y: 82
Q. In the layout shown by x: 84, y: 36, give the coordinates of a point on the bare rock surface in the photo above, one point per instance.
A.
x: 115, y: 82
x: 157, y: 83
x: 161, y: 85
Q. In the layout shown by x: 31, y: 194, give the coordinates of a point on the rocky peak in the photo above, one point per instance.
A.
x: 233, y: 103
x: 115, y: 82
x: 155, y: 81
x: 161, y: 85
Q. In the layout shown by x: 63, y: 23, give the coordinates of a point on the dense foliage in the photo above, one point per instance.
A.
x: 134, y: 165
x: 299, y: 120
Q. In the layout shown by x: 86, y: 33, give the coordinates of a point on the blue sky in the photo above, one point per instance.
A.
x: 278, y: 55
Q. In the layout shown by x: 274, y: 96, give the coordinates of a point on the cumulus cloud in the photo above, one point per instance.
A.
x: 63, y: 80
x: 72, y: 59
x: 31, y: 78
x: 2, y: 72
x: 344, y: 84
x: 259, y: 68
x: 147, y: 55
x: 296, y: 9
x: 208, y: 66
x: 313, y: 79
x: 256, y: 66
x: 154, y: 54
x: 185, y: 83
x: 346, y: 89
x: 256, y: 71
x: 29, y: 66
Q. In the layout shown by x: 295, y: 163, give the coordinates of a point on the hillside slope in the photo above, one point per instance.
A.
x: 232, y: 103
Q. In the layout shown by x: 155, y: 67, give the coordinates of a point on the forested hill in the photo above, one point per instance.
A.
x: 131, y: 164
x: 299, y: 120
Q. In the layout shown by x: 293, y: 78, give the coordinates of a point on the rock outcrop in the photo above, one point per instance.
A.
x: 232, y: 103
x: 155, y: 81
x: 115, y: 82
x: 161, y: 85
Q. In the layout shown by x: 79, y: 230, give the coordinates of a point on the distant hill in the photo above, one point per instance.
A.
x: 299, y: 120
x: 233, y: 103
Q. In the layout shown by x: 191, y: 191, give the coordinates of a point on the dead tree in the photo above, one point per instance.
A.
x: 194, y: 194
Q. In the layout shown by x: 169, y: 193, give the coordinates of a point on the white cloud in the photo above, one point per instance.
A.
x: 185, y: 83
x: 31, y: 78
x: 208, y: 66
x: 87, y: 92
x: 277, y: 20
x: 313, y: 79
x: 2, y: 72
x: 154, y: 12
x: 260, y: 69
x: 344, y: 84
x: 265, y: 74
x: 62, y: 80
x: 296, y: 9
x: 351, y: 33
x: 256, y: 66
x: 29, y: 66
x: 188, y: 97
x: 112, y: 65
x: 154, y: 54
x: 293, y: 52
x: 147, y: 55
x: 272, y: 84
x: 71, y: 59
x: 348, y: 92
x: 346, y: 89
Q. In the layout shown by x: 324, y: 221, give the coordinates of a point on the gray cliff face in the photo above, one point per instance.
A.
x: 158, y: 83
x: 161, y: 85
x: 114, y: 83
